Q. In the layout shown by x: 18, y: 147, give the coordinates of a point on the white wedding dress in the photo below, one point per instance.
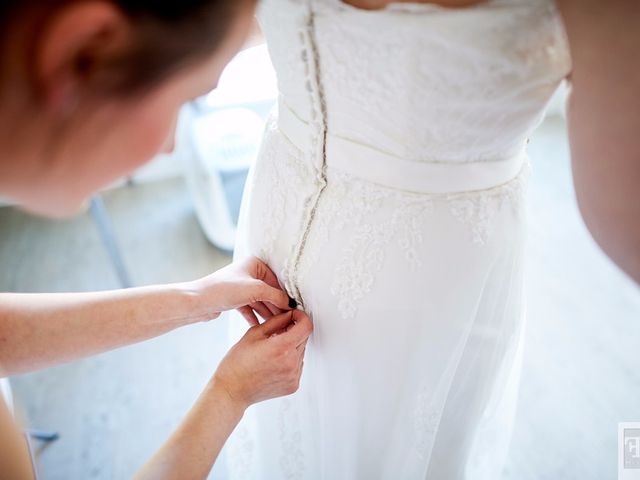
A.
x: 388, y: 199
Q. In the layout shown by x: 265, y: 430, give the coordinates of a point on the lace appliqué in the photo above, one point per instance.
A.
x: 292, y: 459
x: 240, y: 453
x: 408, y: 230
x: 280, y: 164
x: 349, y: 201
x: 426, y: 421
x: 355, y: 277
x: 478, y: 208
x: 364, y: 254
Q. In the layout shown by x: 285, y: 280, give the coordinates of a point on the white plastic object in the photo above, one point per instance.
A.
x: 221, y: 144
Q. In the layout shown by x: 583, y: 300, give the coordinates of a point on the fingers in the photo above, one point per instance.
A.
x: 270, y: 291
x: 301, y: 363
x: 300, y: 329
x: 277, y: 323
x: 247, y: 313
x: 275, y: 296
x: 262, y: 310
x: 264, y: 273
x: 273, y: 309
x: 302, y: 345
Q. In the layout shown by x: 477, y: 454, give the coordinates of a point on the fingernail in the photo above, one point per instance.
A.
x: 293, y: 303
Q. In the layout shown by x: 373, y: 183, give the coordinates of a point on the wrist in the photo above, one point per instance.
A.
x: 218, y: 390
x: 196, y: 301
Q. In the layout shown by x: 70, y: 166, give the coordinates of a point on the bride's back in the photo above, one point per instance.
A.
x: 388, y: 197
x: 421, y: 81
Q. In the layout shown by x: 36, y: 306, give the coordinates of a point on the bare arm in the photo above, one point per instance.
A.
x: 15, y: 462
x: 193, y: 448
x: 259, y: 367
x: 39, y: 330
x: 267, y: 362
x: 604, y: 122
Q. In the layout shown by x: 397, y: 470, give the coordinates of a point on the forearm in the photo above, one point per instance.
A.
x: 604, y: 122
x: 614, y: 226
x: 192, y: 449
x: 606, y: 175
x: 266, y: 363
x: 40, y: 330
x: 14, y: 453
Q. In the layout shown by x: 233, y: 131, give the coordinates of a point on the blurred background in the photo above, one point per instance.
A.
x: 174, y: 220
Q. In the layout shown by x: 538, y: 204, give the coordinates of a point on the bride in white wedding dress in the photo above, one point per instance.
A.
x: 388, y: 198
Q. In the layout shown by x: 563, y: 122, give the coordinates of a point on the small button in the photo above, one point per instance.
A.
x: 293, y: 303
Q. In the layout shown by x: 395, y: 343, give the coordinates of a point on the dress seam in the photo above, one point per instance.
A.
x: 318, y: 146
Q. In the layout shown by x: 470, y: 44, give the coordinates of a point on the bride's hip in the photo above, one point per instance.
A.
x: 300, y: 221
x: 287, y: 199
x: 347, y: 236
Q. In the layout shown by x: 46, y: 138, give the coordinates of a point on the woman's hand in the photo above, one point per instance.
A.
x: 248, y: 286
x: 267, y: 362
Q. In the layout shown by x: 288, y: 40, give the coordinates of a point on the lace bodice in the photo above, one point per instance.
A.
x: 423, y: 82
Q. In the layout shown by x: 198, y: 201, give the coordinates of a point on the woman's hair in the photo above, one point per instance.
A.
x: 168, y: 35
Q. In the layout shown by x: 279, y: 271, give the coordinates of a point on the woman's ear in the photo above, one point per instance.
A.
x: 77, y: 42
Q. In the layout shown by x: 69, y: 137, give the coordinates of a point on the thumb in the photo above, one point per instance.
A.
x: 274, y: 296
x: 276, y: 323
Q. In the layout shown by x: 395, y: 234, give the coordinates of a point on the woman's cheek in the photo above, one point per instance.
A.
x: 139, y: 142
x: 159, y: 136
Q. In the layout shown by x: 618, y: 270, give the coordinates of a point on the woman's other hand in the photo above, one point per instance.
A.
x: 248, y: 286
x: 267, y: 362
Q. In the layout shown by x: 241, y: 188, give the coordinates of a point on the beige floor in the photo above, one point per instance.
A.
x: 581, y: 373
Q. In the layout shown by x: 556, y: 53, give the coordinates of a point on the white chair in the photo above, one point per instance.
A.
x: 219, y: 138
x: 220, y: 147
